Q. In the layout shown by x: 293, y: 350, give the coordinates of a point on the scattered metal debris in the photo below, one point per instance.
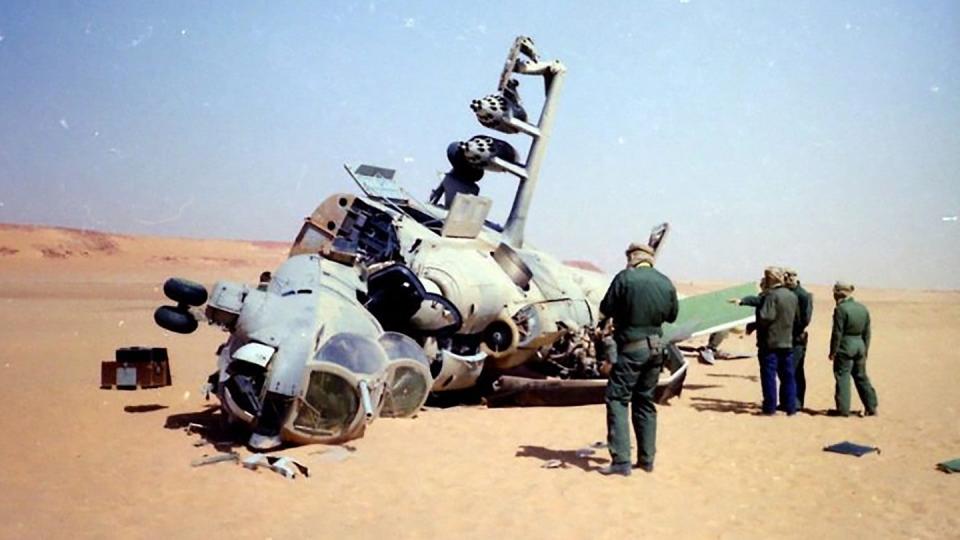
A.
x: 288, y: 465
x: 585, y: 452
x: 283, y: 465
x: 253, y: 461
x: 218, y: 458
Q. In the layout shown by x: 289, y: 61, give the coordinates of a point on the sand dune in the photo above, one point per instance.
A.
x: 73, y: 254
x: 80, y: 462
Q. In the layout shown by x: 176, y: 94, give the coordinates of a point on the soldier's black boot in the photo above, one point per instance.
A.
x: 646, y: 467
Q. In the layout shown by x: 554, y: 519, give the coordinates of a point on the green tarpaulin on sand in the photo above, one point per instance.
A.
x: 851, y: 449
x: 951, y: 466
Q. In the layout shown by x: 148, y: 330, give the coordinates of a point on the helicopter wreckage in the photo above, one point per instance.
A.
x: 385, y: 300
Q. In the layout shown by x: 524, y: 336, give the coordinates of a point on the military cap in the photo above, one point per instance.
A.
x: 843, y: 287
x: 774, y: 274
x: 639, y: 246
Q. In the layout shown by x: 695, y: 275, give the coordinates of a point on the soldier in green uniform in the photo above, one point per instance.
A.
x: 849, y: 347
x: 804, y: 314
x: 640, y: 299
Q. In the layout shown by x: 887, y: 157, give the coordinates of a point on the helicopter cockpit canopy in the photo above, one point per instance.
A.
x: 408, y: 375
x: 344, y: 387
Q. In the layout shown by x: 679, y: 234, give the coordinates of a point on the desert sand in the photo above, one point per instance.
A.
x: 77, y: 461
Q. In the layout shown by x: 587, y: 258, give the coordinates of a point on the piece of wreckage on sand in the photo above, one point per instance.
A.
x: 385, y: 300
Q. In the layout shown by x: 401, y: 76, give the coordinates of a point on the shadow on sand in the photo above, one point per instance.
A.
x: 826, y: 412
x: 751, y: 378
x: 742, y: 407
x: 724, y: 405
x: 567, y: 457
x: 209, y: 424
x: 701, y: 386
x: 133, y: 409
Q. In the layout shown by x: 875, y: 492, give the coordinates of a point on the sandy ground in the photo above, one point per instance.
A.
x: 80, y: 462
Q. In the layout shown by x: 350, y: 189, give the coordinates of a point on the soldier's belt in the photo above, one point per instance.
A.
x: 650, y: 342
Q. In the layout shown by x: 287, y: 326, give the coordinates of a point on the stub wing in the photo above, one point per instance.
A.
x: 711, y: 312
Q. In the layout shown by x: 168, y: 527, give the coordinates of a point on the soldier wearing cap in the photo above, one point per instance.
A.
x: 756, y: 302
x: 640, y: 299
x: 849, y: 347
x: 775, y: 320
x: 804, y: 314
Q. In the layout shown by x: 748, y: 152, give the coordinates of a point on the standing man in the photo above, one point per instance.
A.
x: 804, y: 314
x: 849, y: 346
x: 776, y: 318
x: 755, y: 301
x: 640, y: 299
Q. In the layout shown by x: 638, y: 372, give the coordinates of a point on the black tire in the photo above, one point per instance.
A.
x: 184, y: 291
x: 175, y: 319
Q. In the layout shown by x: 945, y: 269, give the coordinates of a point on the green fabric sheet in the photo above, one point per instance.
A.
x: 711, y: 311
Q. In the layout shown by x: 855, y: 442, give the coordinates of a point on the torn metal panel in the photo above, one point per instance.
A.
x: 218, y: 458
x: 282, y: 465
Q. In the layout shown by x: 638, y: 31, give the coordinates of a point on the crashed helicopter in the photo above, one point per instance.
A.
x: 385, y: 300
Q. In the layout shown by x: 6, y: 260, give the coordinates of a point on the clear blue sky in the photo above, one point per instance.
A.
x: 821, y: 135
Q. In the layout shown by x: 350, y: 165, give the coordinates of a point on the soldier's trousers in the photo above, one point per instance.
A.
x: 843, y: 368
x: 717, y: 338
x: 778, y: 363
x: 799, y: 355
x: 633, y: 380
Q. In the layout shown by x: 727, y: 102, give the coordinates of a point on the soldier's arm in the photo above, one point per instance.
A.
x: 768, y: 310
x: 610, y: 298
x: 837, y: 331
x: 674, y: 305
x: 752, y: 301
x: 866, y: 337
x: 808, y: 310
